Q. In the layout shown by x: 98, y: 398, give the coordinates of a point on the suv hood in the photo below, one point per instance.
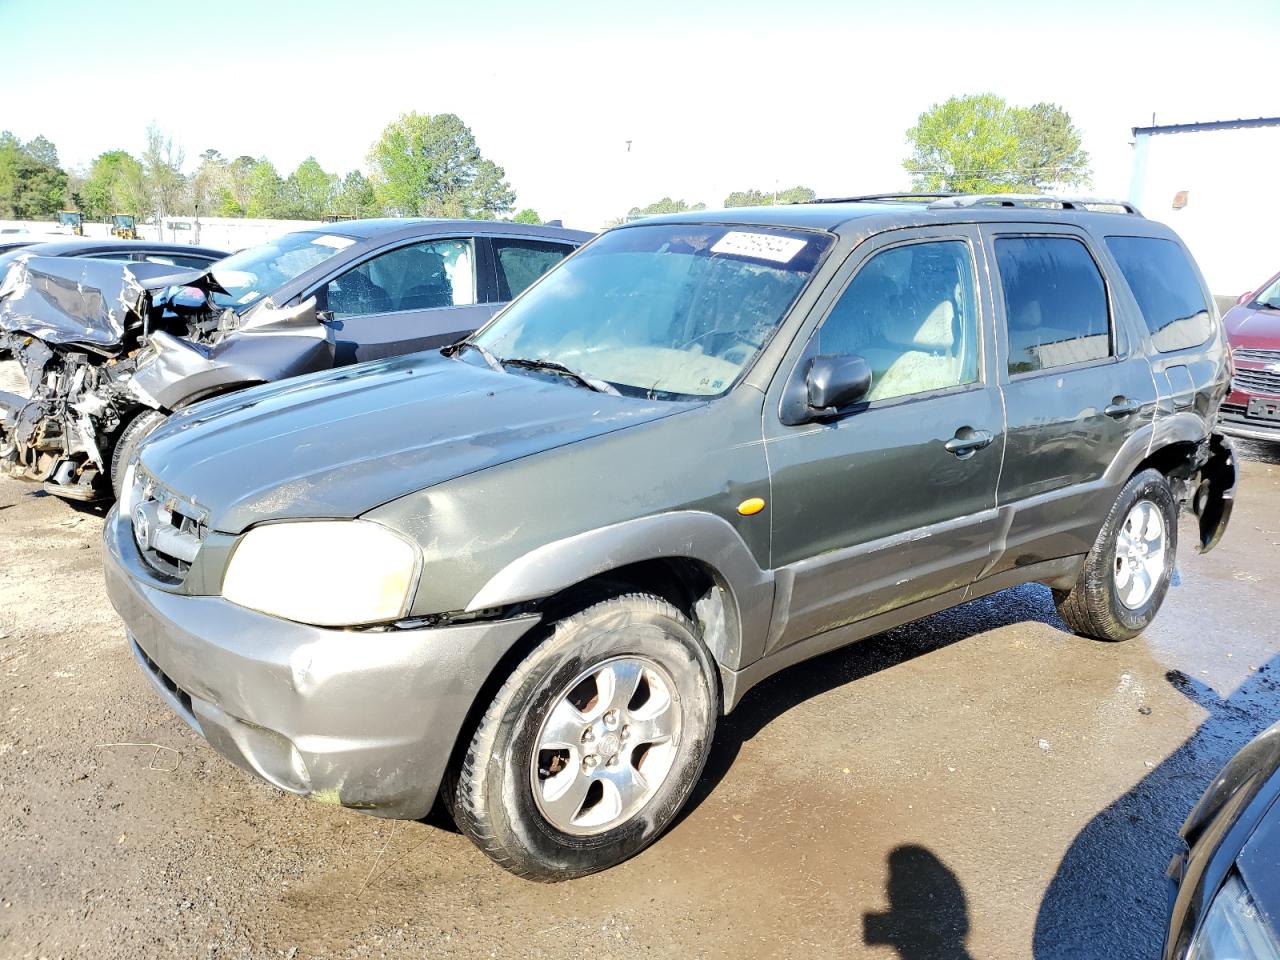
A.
x: 340, y: 443
x: 1253, y: 328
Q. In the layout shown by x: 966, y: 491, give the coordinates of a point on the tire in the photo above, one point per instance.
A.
x: 1106, y: 603
x: 642, y: 643
x: 127, y: 443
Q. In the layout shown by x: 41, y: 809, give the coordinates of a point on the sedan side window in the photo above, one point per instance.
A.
x: 911, y: 313
x: 420, y: 276
x: 520, y: 262
x: 1055, y: 303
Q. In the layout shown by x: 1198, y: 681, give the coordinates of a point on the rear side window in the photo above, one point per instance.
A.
x: 520, y: 262
x: 1055, y: 303
x: 1163, y: 282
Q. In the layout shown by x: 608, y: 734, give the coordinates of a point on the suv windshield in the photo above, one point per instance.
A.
x: 1269, y: 296
x: 251, y: 274
x: 670, y: 311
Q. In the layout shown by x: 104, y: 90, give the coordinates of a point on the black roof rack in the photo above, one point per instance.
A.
x: 1036, y: 200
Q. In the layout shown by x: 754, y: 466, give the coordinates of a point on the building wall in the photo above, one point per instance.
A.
x: 1231, y: 221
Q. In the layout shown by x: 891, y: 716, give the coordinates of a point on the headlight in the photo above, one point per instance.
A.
x: 1234, y: 928
x: 332, y: 573
x: 126, y: 488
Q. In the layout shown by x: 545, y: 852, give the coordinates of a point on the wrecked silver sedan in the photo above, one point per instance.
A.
x: 94, y: 355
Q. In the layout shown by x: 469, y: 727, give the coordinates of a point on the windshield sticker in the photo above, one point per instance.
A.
x: 760, y: 246
x: 329, y: 240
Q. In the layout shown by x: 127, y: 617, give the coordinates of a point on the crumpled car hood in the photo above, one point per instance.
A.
x: 342, y: 442
x: 77, y: 301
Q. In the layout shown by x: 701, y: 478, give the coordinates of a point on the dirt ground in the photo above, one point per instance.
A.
x: 981, y: 783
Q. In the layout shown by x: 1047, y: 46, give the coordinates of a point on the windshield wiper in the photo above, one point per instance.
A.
x: 551, y: 366
x: 489, y: 358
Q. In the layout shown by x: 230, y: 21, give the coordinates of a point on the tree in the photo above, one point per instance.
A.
x: 32, y: 185
x: 1049, y: 148
x: 980, y: 144
x: 528, y: 215
x: 430, y: 165
x: 665, y: 205
x: 115, y: 184
x: 309, y: 191
x: 266, y: 191
x: 233, y: 196
x: 208, y: 182
x: 162, y: 163
x: 762, y: 198
x: 355, y: 197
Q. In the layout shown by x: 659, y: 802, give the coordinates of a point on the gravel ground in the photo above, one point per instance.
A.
x: 980, y: 783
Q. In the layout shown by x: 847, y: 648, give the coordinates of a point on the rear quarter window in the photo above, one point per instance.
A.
x: 1162, y: 280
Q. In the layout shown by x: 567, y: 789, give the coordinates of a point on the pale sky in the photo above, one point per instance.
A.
x: 714, y: 97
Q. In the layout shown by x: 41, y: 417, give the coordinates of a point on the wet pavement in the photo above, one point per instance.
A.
x: 978, y: 784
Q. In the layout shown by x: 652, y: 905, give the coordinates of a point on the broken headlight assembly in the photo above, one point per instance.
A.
x: 330, y: 573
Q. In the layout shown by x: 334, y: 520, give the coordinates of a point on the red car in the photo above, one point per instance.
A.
x: 1252, y: 409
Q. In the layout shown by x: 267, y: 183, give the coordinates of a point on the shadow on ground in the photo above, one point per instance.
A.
x: 928, y: 917
x: 1109, y: 898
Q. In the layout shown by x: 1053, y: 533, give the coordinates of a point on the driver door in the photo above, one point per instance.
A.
x: 413, y: 297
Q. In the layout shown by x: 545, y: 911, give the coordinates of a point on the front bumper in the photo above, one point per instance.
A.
x: 359, y: 718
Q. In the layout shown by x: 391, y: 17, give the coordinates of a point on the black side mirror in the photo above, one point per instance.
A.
x: 834, y: 382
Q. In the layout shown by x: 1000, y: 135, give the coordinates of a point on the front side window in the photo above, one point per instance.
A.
x: 1160, y: 275
x: 668, y: 311
x: 420, y: 276
x: 1055, y: 303
x: 520, y: 262
x: 910, y: 312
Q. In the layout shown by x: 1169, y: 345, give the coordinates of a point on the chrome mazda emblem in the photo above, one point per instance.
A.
x: 141, y: 527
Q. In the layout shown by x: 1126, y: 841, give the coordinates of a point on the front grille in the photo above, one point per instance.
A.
x: 1259, y: 356
x: 1256, y: 381
x: 168, y: 529
x: 13, y: 379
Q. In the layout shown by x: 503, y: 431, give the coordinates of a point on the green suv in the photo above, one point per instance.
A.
x: 526, y: 574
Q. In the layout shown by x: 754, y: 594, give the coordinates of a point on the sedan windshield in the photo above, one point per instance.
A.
x: 668, y: 311
x: 251, y: 274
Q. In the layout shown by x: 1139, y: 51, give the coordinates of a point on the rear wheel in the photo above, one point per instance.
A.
x: 1126, y: 575
x: 127, y: 443
x: 593, y: 744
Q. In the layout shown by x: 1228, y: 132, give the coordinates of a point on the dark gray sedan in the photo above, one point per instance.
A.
x: 95, y: 355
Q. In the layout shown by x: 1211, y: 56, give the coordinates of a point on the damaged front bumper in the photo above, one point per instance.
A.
x: 364, y: 719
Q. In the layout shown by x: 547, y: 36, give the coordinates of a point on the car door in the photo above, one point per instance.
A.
x: 891, y: 501
x: 415, y: 296
x: 1075, y: 388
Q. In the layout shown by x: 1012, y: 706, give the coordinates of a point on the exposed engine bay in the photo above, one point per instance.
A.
x: 86, y: 346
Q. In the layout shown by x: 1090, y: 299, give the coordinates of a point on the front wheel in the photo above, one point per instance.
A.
x: 593, y: 744
x: 1126, y: 575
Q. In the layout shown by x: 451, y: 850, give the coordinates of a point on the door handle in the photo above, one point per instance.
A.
x: 967, y: 442
x: 1121, y: 407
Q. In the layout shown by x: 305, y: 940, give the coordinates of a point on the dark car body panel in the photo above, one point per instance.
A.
x: 1236, y: 825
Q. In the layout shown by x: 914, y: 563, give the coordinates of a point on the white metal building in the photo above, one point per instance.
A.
x: 1218, y: 185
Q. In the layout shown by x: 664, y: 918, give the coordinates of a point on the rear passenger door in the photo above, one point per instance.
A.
x: 413, y: 297
x: 1076, y: 386
x: 516, y: 262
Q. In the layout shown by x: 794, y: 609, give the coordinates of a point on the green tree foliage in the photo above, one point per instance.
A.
x: 767, y: 198
x: 665, y: 205
x: 980, y: 144
x: 355, y: 197
x: 528, y: 215
x: 115, y: 184
x: 266, y: 191
x: 162, y: 164
x: 309, y: 191
x: 234, y: 193
x: 207, y: 184
x: 32, y: 185
x: 430, y: 165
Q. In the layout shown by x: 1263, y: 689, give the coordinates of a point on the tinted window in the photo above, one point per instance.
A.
x: 420, y: 276
x: 520, y: 262
x: 1160, y: 275
x: 1055, y: 303
x: 910, y: 313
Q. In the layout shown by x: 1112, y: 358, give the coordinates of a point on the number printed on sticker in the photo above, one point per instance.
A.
x: 761, y: 246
